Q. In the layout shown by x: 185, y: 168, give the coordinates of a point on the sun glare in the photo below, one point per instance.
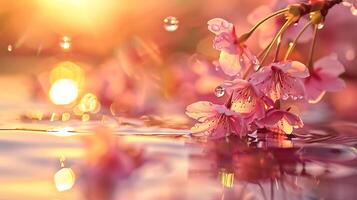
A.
x: 63, y: 92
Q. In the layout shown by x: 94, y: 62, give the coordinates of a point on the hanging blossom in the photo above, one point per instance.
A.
x: 215, y: 121
x: 280, y: 121
x: 235, y: 57
x: 324, y: 77
x: 246, y: 98
x: 281, y: 80
x: 256, y: 103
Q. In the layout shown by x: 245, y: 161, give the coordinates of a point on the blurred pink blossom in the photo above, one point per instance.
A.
x: 324, y: 77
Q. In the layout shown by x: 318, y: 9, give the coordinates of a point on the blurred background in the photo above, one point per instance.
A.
x: 135, y: 58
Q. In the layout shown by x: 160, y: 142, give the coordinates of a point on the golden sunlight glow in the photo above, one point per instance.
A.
x: 64, y: 179
x: 88, y: 103
x: 63, y: 92
x: 85, y: 15
x: 66, y: 116
x: 67, y: 70
x: 227, y: 179
x: 85, y: 117
x: 63, y: 131
x: 284, y: 125
x: 65, y: 44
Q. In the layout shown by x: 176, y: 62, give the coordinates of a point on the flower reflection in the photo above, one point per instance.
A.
x: 247, y: 171
x: 107, y: 164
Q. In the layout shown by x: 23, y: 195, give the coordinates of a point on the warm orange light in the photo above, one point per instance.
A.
x: 88, y: 103
x: 79, y: 14
x: 63, y: 92
x: 67, y: 70
x: 65, y: 44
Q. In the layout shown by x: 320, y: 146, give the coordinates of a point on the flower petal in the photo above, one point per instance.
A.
x: 295, y: 69
x: 313, y: 91
x: 229, y: 63
x: 293, y: 119
x: 225, y: 42
x: 201, y: 110
x: 204, y: 126
x: 219, y: 25
x: 332, y: 84
x: 329, y: 65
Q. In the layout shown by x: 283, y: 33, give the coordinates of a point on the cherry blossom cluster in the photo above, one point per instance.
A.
x: 258, y: 91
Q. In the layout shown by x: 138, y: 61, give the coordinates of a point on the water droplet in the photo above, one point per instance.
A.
x: 296, y: 23
x: 219, y: 91
x: 354, y: 10
x: 285, y: 97
x: 171, y: 23
x: 320, y: 25
x: 65, y: 43
x: 9, y: 48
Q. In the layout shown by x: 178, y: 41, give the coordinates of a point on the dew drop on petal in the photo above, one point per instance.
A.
x: 9, y: 48
x: 320, y: 25
x: 219, y: 91
x: 171, y: 24
x: 296, y: 23
x: 256, y: 67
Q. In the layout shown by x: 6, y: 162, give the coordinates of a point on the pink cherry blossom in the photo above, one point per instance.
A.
x: 324, y: 77
x: 246, y: 99
x: 280, y: 121
x: 215, y: 121
x: 235, y: 57
x: 281, y: 80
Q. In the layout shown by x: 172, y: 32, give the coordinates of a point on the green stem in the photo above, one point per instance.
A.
x: 292, y: 46
x: 281, y: 31
x: 312, y: 49
x: 245, y: 36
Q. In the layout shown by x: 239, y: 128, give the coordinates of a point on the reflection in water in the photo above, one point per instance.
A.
x: 64, y: 179
x: 261, y: 166
x: 262, y: 169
